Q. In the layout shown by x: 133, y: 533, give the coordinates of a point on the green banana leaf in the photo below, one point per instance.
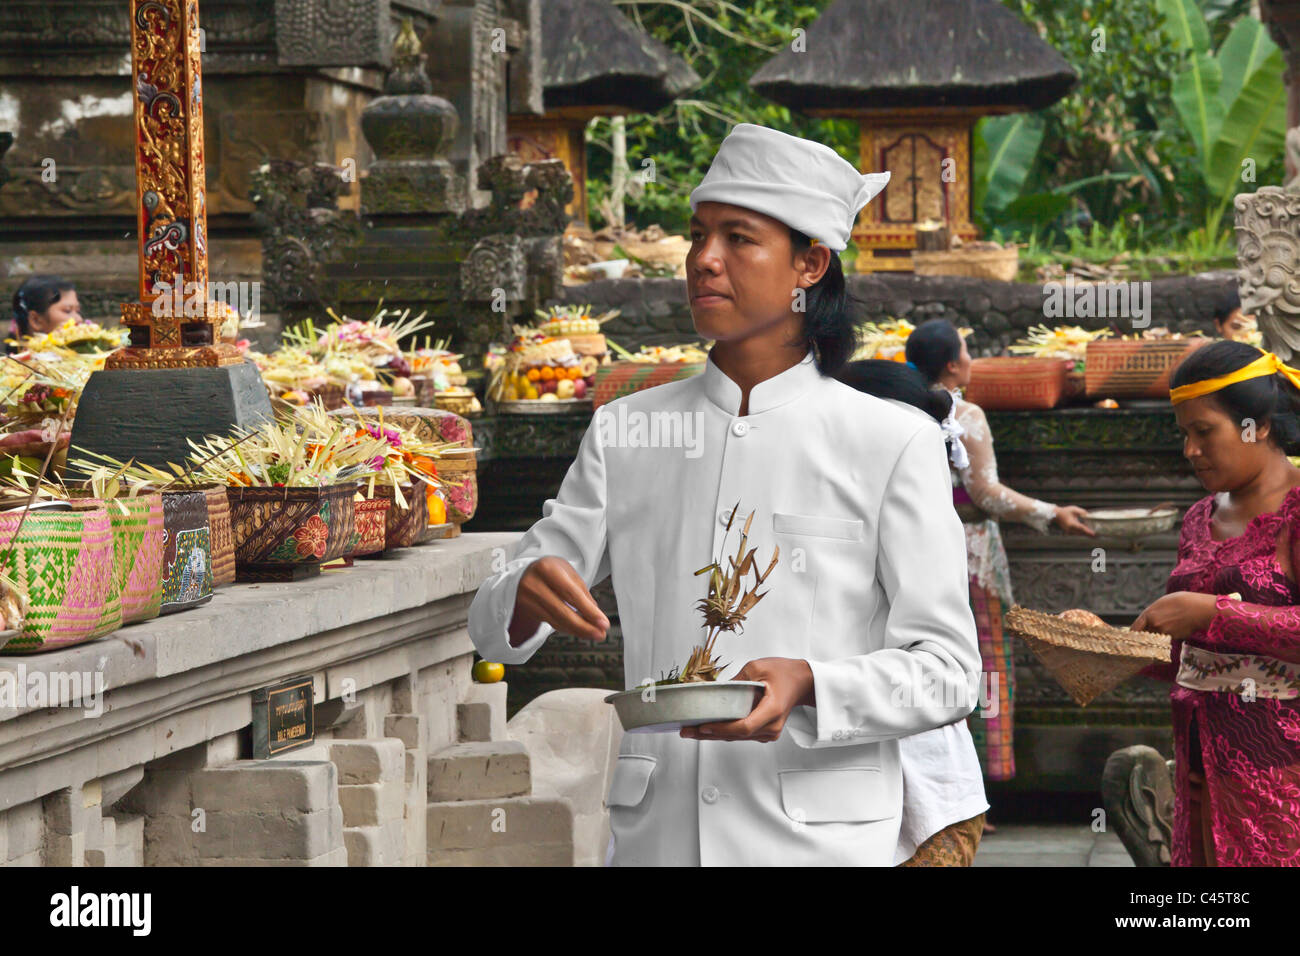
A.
x: 1244, y: 51
x: 1005, y: 147
x: 1195, y: 93
x: 1253, y: 128
x: 1185, y: 25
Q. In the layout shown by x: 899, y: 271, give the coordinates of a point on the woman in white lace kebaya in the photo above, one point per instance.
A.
x: 939, y: 353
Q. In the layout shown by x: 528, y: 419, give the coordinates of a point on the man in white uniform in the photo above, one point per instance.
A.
x: 866, y: 633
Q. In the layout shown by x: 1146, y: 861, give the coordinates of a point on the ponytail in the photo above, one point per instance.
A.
x: 829, y: 327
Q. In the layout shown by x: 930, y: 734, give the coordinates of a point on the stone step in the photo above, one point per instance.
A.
x: 482, y: 715
x: 515, y: 831
x: 479, y: 770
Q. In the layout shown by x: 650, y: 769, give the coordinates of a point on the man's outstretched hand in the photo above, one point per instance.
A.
x: 552, y: 592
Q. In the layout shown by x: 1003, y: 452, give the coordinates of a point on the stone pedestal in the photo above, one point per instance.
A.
x: 147, y: 414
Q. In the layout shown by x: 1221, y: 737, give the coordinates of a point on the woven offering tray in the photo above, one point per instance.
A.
x: 1086, y: 659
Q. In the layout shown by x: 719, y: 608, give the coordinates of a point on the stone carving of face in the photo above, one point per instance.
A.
x: 1267, y: 276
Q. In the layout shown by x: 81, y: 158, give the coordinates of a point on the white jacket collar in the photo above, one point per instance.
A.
x: 767, y: 394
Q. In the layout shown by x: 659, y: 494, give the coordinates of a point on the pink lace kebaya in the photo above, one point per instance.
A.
x: 1250, y: 749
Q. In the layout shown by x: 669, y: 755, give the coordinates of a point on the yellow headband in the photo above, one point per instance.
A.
x: 1266, y: 364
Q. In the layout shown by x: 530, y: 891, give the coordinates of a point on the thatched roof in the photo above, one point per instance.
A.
x: 592, y: 55
x: 880, y: 54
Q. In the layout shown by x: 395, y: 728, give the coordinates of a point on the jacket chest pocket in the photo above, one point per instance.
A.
x: 820, y: 555
x: 632, y: 774
x: 840, y: 795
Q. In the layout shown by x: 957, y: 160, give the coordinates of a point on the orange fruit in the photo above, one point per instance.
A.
x: 534, y: 374
x: 548, y: 373
x: 486, y: 672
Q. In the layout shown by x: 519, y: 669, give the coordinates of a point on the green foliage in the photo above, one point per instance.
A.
x: 1177, y: 102
x: 725, y: 44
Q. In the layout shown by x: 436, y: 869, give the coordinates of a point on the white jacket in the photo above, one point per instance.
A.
x: 870, y: 589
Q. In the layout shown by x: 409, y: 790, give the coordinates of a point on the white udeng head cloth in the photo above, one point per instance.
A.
x: 806, y: 185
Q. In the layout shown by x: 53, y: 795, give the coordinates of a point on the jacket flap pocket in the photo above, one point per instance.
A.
x: 846, y: 795
x: 850, y: 530
x: 631, y: 780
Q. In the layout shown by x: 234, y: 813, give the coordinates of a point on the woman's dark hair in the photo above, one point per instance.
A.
x: 1269, y: 398
x: 885, y: 379
x: 829, y: 326
x: 932, y: 345
x: 37, y: 294
x: 1227, y: 304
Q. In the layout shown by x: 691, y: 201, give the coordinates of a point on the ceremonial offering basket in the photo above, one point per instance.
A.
x: 458, y: 465
x: 1017, y: 384
x: 407, y: 526
x: 371, y: 526
x: 187, y: 551
x: 1086, y: 660
x: 458, y: 403
x: 623, y: 378
x: 428, y: 424
x: 1135, y: 368
x: 137, y: 551
x: 670, y: 707
x: 284, y: 534
x: 223, y: 535
x: 331, y: 395
x: 62, y: 559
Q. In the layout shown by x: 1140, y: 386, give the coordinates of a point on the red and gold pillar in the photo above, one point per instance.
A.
x: 175, y: 323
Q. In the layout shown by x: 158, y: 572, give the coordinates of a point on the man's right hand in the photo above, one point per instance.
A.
x: 552, y: 592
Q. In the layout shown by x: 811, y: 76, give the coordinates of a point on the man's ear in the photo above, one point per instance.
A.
x: 812, y: 264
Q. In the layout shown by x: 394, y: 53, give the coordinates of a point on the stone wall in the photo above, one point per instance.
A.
x: 655, y: 311
x: 159, y: 771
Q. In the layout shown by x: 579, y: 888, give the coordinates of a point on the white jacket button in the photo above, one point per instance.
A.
x: 740, y: 429
x: 709, y: 795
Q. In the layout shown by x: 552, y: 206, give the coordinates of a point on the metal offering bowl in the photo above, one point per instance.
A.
x: 1131, y: 523
x: 675, y: 706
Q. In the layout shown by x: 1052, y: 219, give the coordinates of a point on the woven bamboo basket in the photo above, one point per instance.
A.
x: 624, y: 378
x: 1017, y: 384
x: 1135, y: 368
x: 63, y: 561
x: 283, y: 534
x: 223, y: 535
x: 1084, y: 659
x: 460, y: 472
x: 1002, y: 264
x: 371, y: 520
x: 138, y: 532
x: 187, y: 550
x: 407, y: 526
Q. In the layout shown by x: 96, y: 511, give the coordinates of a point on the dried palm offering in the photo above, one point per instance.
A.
x: 726, y: 605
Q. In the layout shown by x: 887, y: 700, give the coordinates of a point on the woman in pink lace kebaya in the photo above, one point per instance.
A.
x: 1233, y: 608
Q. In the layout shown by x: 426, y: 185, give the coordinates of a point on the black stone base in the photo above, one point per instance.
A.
x: 147, y: 414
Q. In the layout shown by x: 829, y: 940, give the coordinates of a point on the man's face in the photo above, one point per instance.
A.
x: 742, y: 271
x: 1237, y: 327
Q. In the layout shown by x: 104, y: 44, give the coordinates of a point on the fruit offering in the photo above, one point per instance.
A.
x: 539, y: 368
